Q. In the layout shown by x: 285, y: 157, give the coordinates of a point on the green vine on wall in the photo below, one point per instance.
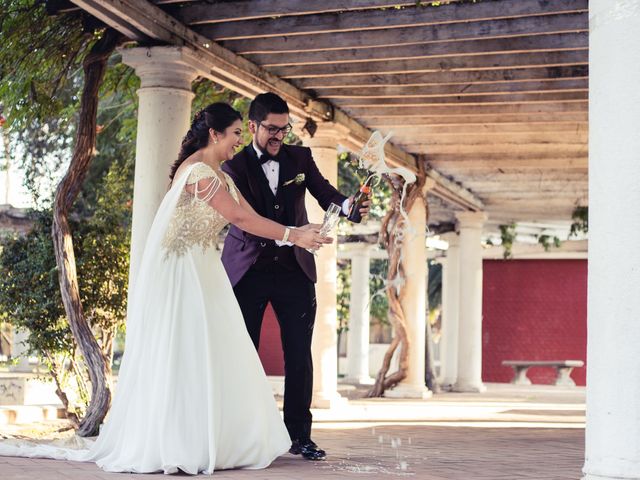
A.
x: 580, y: 217
x: 508, y: 236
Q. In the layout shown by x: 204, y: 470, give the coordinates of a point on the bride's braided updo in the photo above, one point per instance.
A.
x: 218, y: 116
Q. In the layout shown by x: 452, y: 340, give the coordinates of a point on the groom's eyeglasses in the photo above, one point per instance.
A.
x: 273, y: 130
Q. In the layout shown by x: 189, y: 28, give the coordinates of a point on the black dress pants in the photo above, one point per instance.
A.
x: 293, y: 298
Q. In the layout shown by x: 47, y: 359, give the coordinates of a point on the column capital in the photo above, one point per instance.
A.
x: 164, y: 67
x: 452, y: 238
x: 358, y: 248
x: 328, y: 135
x: 469, y: 219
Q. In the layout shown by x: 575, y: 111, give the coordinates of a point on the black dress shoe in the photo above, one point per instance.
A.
x: 308, y: 449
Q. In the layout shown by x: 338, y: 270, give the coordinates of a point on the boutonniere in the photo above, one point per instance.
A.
x: 298, y: 179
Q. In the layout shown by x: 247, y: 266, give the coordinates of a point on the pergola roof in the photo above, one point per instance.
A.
x: 493, y: 93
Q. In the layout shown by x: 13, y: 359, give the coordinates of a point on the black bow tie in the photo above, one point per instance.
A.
x: 266, y: 157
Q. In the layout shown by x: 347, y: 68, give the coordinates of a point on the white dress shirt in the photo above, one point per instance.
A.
x: 271, y: 170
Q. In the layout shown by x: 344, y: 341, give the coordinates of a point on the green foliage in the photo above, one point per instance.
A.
x: 547, y: 241
x: 343, y: 284
x: 40, y: 84
x: 103, y: 250
x: 40, y: 57
x: 351, y: 177
x: 207, y: 92
x: 508, y: 236
x: 378, y: 306
x: 580, y: 217
x: 435, y: 285
x: 29, y: 291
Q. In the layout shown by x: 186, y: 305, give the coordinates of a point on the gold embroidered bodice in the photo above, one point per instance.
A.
x: 194, y: 221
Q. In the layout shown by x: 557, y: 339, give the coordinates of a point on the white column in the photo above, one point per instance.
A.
x: 613, y: 363
x: 19, y: 350
x: 358, y: 333
x: 414, y: 304
x: 470, y: 313
x: 325, y: 337
x: 450, y: 311
x: 164, y: 114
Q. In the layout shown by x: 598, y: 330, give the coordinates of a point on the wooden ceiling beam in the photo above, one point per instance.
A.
x: 439, y: 78
x: 502, y: 149
x: 441, y: 111
x: 547, y: 24
x: 461, y: 131
x: 449, y: 64
x: 345, y: 21
x: 239, y: 10
x: 455, y: 89
x: 524, y: 98
x: 452, y: 164
x: 479, y: 138
x: 515, y: 44
x: 480, y: 120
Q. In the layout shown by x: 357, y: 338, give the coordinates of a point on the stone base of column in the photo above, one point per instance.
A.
x: 447, y: 384
x: 468, y: 387
x: 409, y: 391
x: 321, y: 400
x: 361, y: 380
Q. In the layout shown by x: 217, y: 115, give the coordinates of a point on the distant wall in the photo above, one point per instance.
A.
x: 270, y: 350
x: 534, y: 310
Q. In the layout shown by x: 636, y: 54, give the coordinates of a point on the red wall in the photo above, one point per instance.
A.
x: 270, y: 350
x: 534, y: 310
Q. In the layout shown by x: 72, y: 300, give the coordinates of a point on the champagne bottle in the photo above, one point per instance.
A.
x: 359, y: 199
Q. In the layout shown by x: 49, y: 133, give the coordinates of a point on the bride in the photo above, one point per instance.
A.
x: 192, y: 395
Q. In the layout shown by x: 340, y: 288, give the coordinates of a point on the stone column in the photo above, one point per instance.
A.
x: 414, y: 303
x: 613, y: 363
x: 450, y: 311
x: 470, y: 313
x: 19, y: 350
x: 164, y: 115
x: 358, y: 334
x: 324, y: 146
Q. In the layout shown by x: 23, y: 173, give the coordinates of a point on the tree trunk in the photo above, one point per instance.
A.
x: 94, y: 66
x: 393, y: 234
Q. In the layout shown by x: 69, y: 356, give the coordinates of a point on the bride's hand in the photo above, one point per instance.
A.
x: 309, y: 238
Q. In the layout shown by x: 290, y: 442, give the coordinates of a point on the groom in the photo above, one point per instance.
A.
x: 273, y: 177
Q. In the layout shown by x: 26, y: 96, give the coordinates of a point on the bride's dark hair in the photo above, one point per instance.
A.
x: 218, y: 116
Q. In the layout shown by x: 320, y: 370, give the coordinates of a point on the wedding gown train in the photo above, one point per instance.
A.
x: 191, y: 394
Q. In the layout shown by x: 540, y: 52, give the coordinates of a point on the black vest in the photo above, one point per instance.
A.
x: 273, y: 257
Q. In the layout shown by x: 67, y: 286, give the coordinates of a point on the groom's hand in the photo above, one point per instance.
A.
x: 366, y: 206
x: 310, y: 226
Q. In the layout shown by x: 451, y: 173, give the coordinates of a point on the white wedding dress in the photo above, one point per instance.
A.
x: 191, y: 394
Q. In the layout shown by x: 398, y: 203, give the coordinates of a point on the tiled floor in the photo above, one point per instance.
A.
x: 504, y: 434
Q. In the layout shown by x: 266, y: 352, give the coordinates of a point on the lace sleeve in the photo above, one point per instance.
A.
x: 204, y: 181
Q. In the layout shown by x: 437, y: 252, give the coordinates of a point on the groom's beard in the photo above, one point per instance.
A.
x: 272, y: 146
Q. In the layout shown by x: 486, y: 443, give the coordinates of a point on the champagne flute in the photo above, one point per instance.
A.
x: 331, y: 217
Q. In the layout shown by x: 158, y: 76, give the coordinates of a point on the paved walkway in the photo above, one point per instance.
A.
x: 506, y: 433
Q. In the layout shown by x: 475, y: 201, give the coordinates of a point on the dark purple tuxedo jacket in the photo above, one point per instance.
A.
x: 241, y: 249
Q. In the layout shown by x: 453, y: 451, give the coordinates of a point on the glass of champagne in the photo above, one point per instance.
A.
x: 331, y: 217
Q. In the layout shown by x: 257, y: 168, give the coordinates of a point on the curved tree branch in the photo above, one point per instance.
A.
x: 392, y: 234
x: 94, y: 65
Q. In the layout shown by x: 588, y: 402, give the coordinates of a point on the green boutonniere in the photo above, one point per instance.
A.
x: 298, y: 179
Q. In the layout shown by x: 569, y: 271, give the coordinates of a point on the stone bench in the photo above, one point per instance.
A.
x: 563, y: 370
